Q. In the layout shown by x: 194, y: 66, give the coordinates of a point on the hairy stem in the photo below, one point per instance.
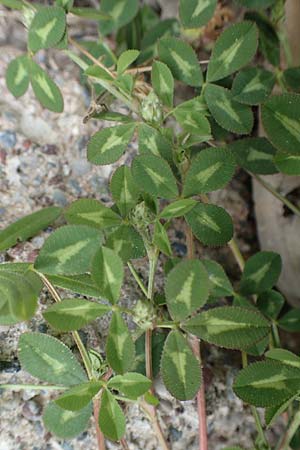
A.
x: 99, y: 434
x: 201, y: 406
x: 137, y: 278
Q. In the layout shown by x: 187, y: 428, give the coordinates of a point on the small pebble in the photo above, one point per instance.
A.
x: 7, y: 139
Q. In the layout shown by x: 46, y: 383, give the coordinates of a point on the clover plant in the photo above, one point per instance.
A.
x: 185, y: 151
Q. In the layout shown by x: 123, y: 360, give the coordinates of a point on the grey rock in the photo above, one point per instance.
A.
x: 7, y: 139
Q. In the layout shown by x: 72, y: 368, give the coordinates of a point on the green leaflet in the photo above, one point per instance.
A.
x: 69, y: 250
x: 15, y: 4
x: 124, y: 190
x: 220, y: 286
x: 121, y: 13
x: 270, y: 303
x: 210, y: 170
x: 267, y: 383
x: 261, y: 272
x: 44, y: 88
x: 193, y: 122
x: 107, y: 145
x: 255, y: 154
x: 127, y: 243
x: 81, y: 284
x: 78, y: 397
x: 91, y: 212
x: 181, y: 60
x: 284, y: 356
x: 66, y: 424
x: 290, y: 321
x: 161, y: 239
x: 288, y: 164
x: 163, y: 82
x: 180, y: 369
x: 132, y: 384
x: 177, y: 208
x: 17, y: 77
x: 48, y: 359
x: 73, y: 314
x: 47, y: 28
x: 126, y: 59
x: 108, y: 273
x: 234, y: 49
x: 111, y: 417
x: 15, y: 267
x: 252, y: 85
x: 269, y: 43
x: 211, y: 224
x: 273, y: 412
x: 19, y: 294
x: 187, y: 288
x: 151, y: 140
x: 228, y: 113
x: 66, y: 4
x: 291, y: 77
x: 28, y: 226
x: 120, y: 348
x: 157, y: 344
x: 281, y: 121
x: 154, y: 176
x: 196, y: 13
x: 229, y: 326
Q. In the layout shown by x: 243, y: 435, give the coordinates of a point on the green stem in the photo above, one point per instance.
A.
x: 83, y: 352
x: 275, y: 335
x: 237, y: 253
x: 276, y: 194
x: 137, y: 279
x: 293, y: 427
x: 165, y: 325
x: 33, y: 387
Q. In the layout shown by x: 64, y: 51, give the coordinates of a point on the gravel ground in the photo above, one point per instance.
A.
x: 43, y: 162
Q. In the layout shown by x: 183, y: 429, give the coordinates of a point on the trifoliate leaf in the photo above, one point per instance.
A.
x: 228, y: 113
x: 151, y: 140
x: 69, y: 250
x: 124, y: 190
x: 252, y: 85
x: 229, y: 326
x: 131, y: 384
x: 81, y: 284
x: 78, y: 397
x: 261, y: 272
x: 17, y: 76
x: 178, y: 208
x: 120, y: 349
x: 161, y: 239
x: 108, y: 145
x: 284, y: 356
x: 267, y: 383
x: 163, y: 82
x: 73, y: 314
x: 181, y: 60
x: 127, y: 243
x: 154, y: 176
x: 28, y: 226
x: 47, y: 28
x: 66, y: 424
x: 126, y: 59
x: 220, y: 286
x: 210, y: 170
x: 234, y: 49
x: 19, y: 294
x: 270, y: 303
x: 196, y: 13
x: 181, y: 371
x: 255, y: 154
x: 288, y: 164
x: 111, y: 417
x: 48, y: 359
x: 269, y: 43
x: 44, y: 88
x: 93, y: 213
x: 281, y: 121
x: 290, y: 321
x: 121, y: 13
x: 108, y: 273
x: 187, y: 288
x: 211, y: 224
